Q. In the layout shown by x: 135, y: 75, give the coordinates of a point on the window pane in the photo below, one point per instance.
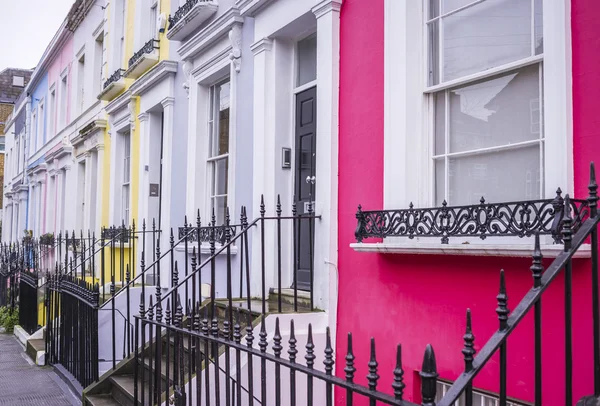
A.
x: 538, y: 26
x: 434, y: 8
x: 307, y: 60
x: 501, y: 111
x: 434, y: 53
x: 499, y: 177
x: 220, y: 177
x: 220, y: 206
x: 451, y: 5
x: 220, y: 137
x: 224, y: 120
x: 489, y: 34
x: 440, y: 122
x: 440, y: 181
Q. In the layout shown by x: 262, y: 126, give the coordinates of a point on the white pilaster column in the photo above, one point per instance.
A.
x: 264, y: 160
x: 31, y: 206
x: 193, y: 156
x: 60, y: 179
x: 70, y: 187
x: 50, y: 199
x: 99, y: 184
x: 7, y: 220
x: 87, y: 192
x: 166, y: 192
x: 144, y: 162
x: 327, y: 13
x: 41, y: 223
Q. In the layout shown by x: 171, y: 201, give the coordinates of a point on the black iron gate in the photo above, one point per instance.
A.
x: 72, y: 326
x: 28, y: 301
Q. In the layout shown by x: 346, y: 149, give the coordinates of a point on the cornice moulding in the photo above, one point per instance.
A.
x: 251, y: 7
x: 118, y: 103
x: 211, y: 33
x: 326, y: 6
x: 151, y: 78
x: 262, y: 45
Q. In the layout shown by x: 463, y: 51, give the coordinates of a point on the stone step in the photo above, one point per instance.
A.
x: 101, y: 400
x: 123, y: 389
x: 589, y: 401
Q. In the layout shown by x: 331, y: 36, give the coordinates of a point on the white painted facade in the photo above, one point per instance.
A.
x: 252, y: 44
x: 58, y: 163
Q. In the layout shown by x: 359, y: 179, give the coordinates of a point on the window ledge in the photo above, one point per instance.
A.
x: 112, y: 90
x: 193, y: 19
x: 205, y: 250
x: 144, y: 63
x: 495, y: 250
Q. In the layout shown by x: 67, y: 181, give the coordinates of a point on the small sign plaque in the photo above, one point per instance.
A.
x: 154, y: 189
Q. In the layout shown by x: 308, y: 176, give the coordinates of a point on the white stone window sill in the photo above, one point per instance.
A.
x: 495, y: 250
x: 205, y: 250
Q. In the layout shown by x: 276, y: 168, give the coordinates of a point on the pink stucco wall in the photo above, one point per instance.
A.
x: 416, y: 300
x: 63, y: 59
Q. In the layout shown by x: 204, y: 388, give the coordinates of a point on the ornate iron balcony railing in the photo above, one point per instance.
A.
x: 183, y: 10
x: 118, y: 74
x: 516, y: 219
x: 147, y: 48
x: 205, y: 233
x: 116, y: 233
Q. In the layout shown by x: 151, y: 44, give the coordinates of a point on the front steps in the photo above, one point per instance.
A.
x: 116, y: 387
x: 35, y: 344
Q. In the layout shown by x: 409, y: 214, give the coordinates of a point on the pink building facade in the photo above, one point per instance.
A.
x: 402, y: 82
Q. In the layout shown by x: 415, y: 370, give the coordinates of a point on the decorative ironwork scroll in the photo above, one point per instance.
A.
x: 516, y: 219
x: 118, y: 74
x: 183, y: 10
x: 116, y: 233
x: 147, y: 48
x: 206, y: 233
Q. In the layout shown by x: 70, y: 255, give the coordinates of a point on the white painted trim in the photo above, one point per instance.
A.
x: 212, y: 66
x: 408, y: 128
x: 251, y: 7
x: 532, y: 60
x: 305, y: 86
x: 495, y: 250
x: 558, y: 102
x: 211, y: 33
x: 205, y: 249
x: 153, y: 77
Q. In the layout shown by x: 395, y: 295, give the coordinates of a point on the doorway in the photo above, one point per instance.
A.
x: 305, y: 179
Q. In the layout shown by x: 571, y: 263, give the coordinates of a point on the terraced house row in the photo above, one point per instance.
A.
x: 311, y: 202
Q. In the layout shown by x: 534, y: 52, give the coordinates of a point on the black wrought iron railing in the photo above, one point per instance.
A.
x: 72, y: 326
x: 147, y: 48
x: 118, y: 74
x: 183, y: 10
x: 28, y: 301
x: 512, y: 219
x: 204, y: 234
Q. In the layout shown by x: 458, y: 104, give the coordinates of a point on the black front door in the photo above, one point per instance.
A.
x: 304, y: 191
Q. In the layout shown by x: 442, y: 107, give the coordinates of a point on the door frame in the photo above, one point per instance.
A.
x: 296, y: 91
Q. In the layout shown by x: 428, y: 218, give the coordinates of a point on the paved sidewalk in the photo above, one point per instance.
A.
x: 24, y: 384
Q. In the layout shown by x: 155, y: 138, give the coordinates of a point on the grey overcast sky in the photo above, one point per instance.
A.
x: 28, y: 26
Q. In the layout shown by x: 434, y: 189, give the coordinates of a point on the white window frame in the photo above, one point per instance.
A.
x: 64, y: 100
x: 408, y: 174
x: 210, y: 159
x: 52, y: 111
x: 486, y: 397
x: 153, y: 24
x: 80, y: 90
x: 40, y: 125
x: 34, y: 130
x: 126, y: 178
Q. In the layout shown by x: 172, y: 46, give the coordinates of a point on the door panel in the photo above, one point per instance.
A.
x: 304, y: 191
